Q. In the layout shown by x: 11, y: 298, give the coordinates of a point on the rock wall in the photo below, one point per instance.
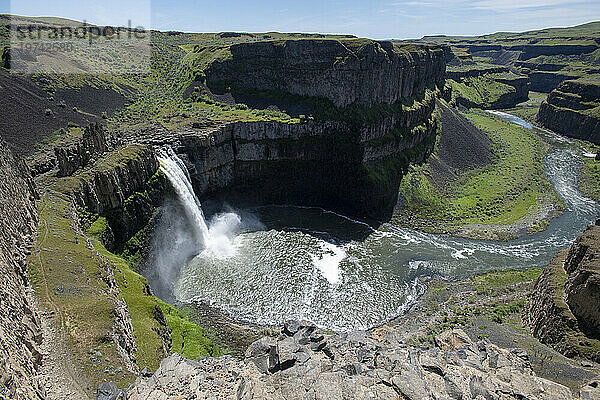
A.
x: 563, y: 309
x: 334, y: 164
x: 304, y: 363
x: 354, y: 71
x: 120, y: 186
x: 76, y: 154
x: 20, y: 333
x: 546, y: 81
x: 583, y: 286
x: 494, y: 90
x: 370, y: 113
x: 534, y: 50
x: 572, y: 110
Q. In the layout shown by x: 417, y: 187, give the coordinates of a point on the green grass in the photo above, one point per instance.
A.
x: 501, y: 311
x: 76, y: 277
x: 515, y: 179
x: 589, y: 181
x: 481, y: 91
x: 500, y: 193
x: 67, y: 275
x: 134, y: 289
x: 188, y: 339
x: 498, y: 280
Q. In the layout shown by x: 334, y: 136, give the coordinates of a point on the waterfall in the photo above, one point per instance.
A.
x: 175, y: 170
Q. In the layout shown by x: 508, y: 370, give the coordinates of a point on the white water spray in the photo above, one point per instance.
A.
x: 216, y: 238
x: 174, y: 168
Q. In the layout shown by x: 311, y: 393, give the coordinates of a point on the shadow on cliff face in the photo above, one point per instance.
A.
x: 272, y: 103
x: 315, y: 221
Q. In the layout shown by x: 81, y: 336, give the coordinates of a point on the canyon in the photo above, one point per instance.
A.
x: 572, y: 109
x: 314, y: 126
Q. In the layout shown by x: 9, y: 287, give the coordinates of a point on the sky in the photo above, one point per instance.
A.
x: 377, y: 19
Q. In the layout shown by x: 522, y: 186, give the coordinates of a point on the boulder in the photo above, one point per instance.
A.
x: 110, y: 391
x: 359, y: 367
x: 75, y: 154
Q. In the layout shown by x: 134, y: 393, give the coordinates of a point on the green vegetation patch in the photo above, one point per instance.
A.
x: 480, y: 91
x: 71, y: 279
x: 501, y: 311
x: 589, y: 181
x: 188, y: 339
x: 70, y: 272
x: 498, y: 280
x: 142, y: 306
x: 503, y: 192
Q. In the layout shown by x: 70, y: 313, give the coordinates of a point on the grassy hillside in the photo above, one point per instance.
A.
x: 547, y: 57
x: 486, y: 202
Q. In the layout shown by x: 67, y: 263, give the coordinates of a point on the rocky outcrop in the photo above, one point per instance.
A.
x: 333, y: 163
x: 461, y: 73
x: 573, y: 109
x: 480, y: 89
x: 303, y: 363
x: 123, y: 185
x: 353, y: 71
x: 521, y: 93
x: 583, y: 285
x: 368, y: 112
x: 76, y: 154
x: 20, y: 332
x: 563, y: 309
x: 534, y: 50
x: 546, y: 81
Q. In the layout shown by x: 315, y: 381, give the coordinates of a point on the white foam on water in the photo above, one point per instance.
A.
x: 271, y: 275
x: 217, y: 239
x: 222, y: 233
x: 463, y: 254
x: 416, y: 264
x: 329, y: 261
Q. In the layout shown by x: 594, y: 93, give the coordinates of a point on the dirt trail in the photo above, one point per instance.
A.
x: 57, y: 373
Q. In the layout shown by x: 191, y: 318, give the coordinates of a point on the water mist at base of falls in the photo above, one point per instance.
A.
x: 271, y: 263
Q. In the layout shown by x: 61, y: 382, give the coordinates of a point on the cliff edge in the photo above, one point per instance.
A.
x: 573, y: 109
x: 352, y: 71
x: 303, y: 362
x: 20, y: 329
x: 563, y: 311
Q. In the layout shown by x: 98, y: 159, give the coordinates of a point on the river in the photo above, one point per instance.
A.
x: 279, y: 262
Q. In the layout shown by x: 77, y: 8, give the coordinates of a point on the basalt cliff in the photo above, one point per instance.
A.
x: 20, y: 328
x: 368, y: 111
x: 572, y: 109
x: 563, y: 310
x: 348, y: 72
x: 102, y: 192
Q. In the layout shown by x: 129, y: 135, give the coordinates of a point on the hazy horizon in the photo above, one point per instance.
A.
x: 377, y: 19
